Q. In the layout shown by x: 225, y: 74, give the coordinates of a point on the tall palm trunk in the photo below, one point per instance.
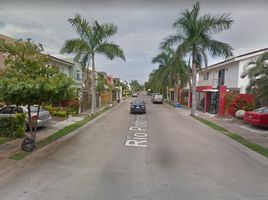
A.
x: 167, y: 91
x: 193, y: 110
x: 175, y: 91
x: 93, y: 87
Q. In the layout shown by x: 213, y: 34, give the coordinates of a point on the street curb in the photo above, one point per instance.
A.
x: 256, y: 155
x: 14, y: 167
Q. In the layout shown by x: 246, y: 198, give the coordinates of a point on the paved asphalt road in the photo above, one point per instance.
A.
x: 170, y: 157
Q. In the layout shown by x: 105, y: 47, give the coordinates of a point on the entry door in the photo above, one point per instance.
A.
x: 212, y: 102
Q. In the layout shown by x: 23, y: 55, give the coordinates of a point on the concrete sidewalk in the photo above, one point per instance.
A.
x: 8, y: 148
x: 254, y: 134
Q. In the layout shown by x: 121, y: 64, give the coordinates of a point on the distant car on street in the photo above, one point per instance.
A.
x: 134, y: 94
x: 137, y: 106
x: 258, y: 117
x: 157, y: 98
x: 44, y: 117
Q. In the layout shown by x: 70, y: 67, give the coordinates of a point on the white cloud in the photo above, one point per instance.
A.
x: 140, y: 28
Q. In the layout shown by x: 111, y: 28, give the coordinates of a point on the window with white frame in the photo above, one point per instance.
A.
x: 206, y: 76
x: 78, y: 77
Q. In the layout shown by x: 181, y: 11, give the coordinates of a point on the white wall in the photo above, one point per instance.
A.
x: 212, y: 79
x: 230, y: 80
x: 233, y: 72
x: 231, y: 75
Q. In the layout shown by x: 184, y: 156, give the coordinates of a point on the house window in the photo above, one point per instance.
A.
x: 221, y: 76
x: 206, y: 76
x: 78, y: 75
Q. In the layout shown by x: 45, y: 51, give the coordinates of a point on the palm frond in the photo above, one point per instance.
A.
x: 109, y: 29
x: 73, y: 46
x: 80, y: 25
x: 214, y: 24
x: 170, y: 41
x: 111, y: 50
x: 217, y: 48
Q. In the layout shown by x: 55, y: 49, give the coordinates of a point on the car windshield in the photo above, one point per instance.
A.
x: 34, y: 109
x: 158, y: 96
x: 260, y: 110
x: 138, y: 102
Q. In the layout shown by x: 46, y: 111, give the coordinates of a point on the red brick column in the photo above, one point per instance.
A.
x: 205, y: 102
x: 222, y: 92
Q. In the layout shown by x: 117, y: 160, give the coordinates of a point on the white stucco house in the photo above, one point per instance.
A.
x: 228, y: 72
x: 225, y: 74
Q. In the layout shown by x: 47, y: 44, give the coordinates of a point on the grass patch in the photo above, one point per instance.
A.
x: 19, y: 155
x: 22, y: 154
x: 211, y: 124
x: 254, y: 147
x: 4, y: 140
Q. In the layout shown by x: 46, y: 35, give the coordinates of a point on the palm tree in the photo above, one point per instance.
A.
x: 162, y: 74
x: 194, y: 37
x: 171, y: 67
x: 257, y: 72
x: 155, y: 82
x: 93, y: 39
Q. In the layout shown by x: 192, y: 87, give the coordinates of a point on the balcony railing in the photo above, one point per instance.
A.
x: 214, y: 82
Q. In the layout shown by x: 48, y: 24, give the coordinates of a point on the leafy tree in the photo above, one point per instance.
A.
x: 102, y: 83
x: 257, y: 72
x: 135, y: 85
x: 93, y: 39
x: 28, y: 80
x: 156, y: 79
x: 194, y: 36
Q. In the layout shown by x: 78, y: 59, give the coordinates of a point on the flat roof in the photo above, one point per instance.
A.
x: 237, y: 58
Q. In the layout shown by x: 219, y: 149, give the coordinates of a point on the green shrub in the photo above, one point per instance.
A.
x: 13, y: 127
x: 72, y: 111
x: 63, y: 111
x: 60, y: 113
x: 48, y: 108
x: 6, y: 129
x: 20, y: 124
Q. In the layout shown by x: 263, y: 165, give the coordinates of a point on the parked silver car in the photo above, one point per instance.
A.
x: 157, y: 98
x: 44, y: 117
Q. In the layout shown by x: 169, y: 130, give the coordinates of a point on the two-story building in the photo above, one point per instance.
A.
x: 227, y: 73
x: 74, y: 70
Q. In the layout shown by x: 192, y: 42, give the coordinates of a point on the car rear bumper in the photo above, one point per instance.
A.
x: 157, y: 101
x: 45, y: 122
x: 138, y: 110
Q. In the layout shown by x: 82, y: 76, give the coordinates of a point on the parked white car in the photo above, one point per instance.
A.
x: 44, y: 117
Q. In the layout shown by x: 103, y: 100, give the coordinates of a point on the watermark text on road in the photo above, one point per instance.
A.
x: 139, y: 138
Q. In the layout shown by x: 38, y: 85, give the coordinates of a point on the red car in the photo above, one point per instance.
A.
x: 258, y: 117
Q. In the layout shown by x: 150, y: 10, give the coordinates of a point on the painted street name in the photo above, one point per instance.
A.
x: 138, y: 136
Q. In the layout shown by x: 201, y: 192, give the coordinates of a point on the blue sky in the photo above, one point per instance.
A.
x: 142, y: 25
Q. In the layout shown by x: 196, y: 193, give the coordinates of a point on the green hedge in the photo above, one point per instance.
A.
x: 59, y: 113
x: 12, y: 127
x: 62, y: 112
